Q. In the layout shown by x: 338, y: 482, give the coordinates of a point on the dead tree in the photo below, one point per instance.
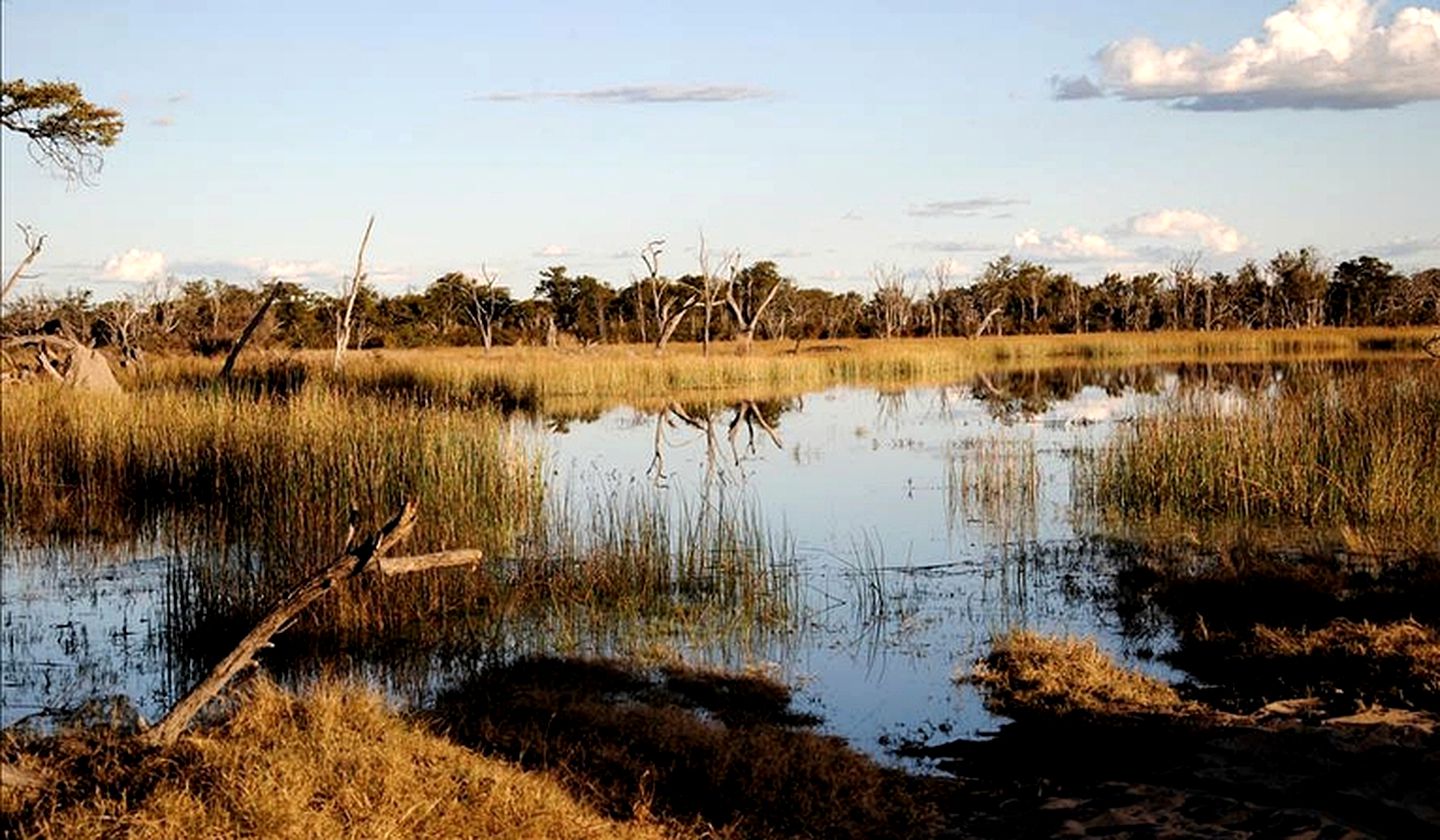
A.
x: 250, y: 328
x: 670, y: 301
x: 358, y: 557
x: 747, y: 296
x: 343, y: 322
x: 710, y: 285
x: 33, y: 245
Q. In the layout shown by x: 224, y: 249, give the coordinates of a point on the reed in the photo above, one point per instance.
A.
x: 994, y: 480
x: 1349, y: 450
x: 591, y: 378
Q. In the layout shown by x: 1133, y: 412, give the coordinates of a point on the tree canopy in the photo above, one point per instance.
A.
x: 65, y: 129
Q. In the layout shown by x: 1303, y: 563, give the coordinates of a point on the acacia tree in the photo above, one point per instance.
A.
x: 65, y: 130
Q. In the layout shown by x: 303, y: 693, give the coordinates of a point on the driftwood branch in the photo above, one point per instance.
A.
x: 356, y: 559
x: 250, y: 328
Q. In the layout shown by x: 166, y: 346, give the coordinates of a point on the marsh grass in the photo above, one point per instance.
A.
x: 995, y: 480
x: 248, y: 493
x: 1027, y: 673
x: 331, y: 762
x: 1349, y: 451
x: 571, y: 380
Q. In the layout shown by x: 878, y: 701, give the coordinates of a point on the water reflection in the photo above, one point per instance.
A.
x: 899, y: 530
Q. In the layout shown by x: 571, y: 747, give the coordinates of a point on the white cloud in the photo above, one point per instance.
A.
x: 1314, y: 54
x: 134, y: 266
x: 554, y: 251
x: 1169, y: 224
x: 1070, y: 245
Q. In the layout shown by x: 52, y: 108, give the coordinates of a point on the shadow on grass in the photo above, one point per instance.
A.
x: 690, y: 745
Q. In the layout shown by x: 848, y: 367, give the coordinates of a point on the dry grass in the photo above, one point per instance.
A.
x: 1344, y: 663
x: 567, y: 379
x: 334, y: 762
x: 1028, y: 674
x: 1350, y: 452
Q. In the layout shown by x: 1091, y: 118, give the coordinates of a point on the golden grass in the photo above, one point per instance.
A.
x: 1408, y: 649
x: 1027, y: 673
x: 334, y: 762
x: 1353, y: 452
x: 567, y: 379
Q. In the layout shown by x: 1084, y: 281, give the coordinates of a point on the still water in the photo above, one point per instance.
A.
x: 913, y: 525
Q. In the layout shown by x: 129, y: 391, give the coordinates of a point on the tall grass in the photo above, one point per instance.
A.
x: 582, y: 380
x: 1348, y: 449
x: 249, y: 492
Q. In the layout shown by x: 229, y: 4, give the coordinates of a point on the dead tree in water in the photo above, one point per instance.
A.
x: 358, y: 558
x: 343, y: 321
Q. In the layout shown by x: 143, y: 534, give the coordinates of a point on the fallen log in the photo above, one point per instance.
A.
x: 355, y: 560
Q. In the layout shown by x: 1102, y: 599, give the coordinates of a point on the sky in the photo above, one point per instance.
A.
x: 833, y: 138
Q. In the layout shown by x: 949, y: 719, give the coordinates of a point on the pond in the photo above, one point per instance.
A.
x: 909, y: 526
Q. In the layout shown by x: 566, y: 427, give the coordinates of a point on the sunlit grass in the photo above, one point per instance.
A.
x: 1347, y: 451
x: 581, y: 380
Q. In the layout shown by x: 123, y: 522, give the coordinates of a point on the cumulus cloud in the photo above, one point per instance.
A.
x: 554, y: 251
x: 1070, y: 245
x: 134, y: 266
x: 1314, y: 54
x: 964, y: 206
x: 1173, y: 224
x: 638, y: 94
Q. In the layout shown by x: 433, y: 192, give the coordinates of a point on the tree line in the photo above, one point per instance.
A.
x: 733, y: 302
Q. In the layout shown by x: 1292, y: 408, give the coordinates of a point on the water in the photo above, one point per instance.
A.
x: 910, y: 543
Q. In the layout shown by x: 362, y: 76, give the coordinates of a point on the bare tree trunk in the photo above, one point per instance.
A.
x: 980, y: 330
x: 250, y: 328
x: 342, y: 325
x: 33, y: 244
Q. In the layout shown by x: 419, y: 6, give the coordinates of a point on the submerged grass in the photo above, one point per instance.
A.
x: 995, y: 480
x: 333, y: 762
x: 1349, y: 451
x: 1030, y: 674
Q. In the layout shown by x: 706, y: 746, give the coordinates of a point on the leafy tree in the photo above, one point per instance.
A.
x: 1300, y: 282
x: 66, y: 131
x: 1360, y: 291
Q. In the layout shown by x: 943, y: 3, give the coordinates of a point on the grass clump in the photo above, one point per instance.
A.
x: 1027, y: 673
x: 333, y: 762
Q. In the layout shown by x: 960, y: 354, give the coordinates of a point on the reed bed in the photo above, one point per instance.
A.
x: 249, y: 492
x: 1351, y: 451
x: 594, y: 378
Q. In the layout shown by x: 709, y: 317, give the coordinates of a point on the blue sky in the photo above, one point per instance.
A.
x: 831, y: 137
